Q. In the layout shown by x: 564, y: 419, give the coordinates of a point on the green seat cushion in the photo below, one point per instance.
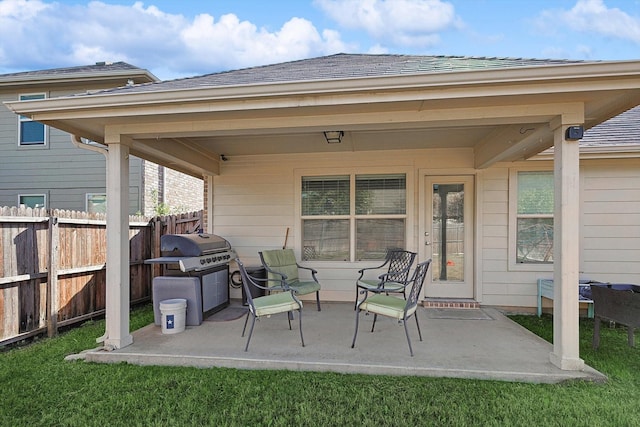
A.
x: 386, y: 305
x: 303, y: 288
x: 368, y: 283
x: 373, y: 284
x: 275, y: 303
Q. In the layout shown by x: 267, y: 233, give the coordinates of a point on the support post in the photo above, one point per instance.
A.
x: 207, y: 220
x: 566, y: 251
x: 118, y: 281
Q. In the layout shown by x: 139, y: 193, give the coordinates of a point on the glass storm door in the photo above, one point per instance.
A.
x: 448, y: 236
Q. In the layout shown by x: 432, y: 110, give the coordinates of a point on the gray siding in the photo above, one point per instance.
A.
x: 65, y: 173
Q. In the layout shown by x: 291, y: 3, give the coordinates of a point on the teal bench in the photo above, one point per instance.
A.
x: 545, y: 289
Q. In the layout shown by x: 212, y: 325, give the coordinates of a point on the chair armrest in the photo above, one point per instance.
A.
x: 280, y: 283
x: 312, y: 270
x: 282, y: 279
x: 364, y: 292
x: 363, y: 270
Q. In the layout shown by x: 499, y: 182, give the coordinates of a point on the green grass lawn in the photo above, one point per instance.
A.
x: 39, y: 388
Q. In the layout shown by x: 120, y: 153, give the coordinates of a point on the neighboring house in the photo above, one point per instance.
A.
x: 41, y: 167
x: 344, y: 156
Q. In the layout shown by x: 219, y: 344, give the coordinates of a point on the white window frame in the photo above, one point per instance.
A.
x: 89, y: 196
x: 352, y: 172
x: 23, y: 119
x: 513, y: 222
x: 44, y: 198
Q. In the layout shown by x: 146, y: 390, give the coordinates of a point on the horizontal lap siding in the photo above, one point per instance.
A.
x: 255, y: 195
x: 254, y: 202
x: 609, y: 232
x: 50, y: 170
x: 499, y: 286
x: 611, y: 221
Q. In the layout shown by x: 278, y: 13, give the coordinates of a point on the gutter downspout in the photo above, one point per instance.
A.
x: 77, y: 141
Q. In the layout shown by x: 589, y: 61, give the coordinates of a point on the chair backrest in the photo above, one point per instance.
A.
x: 419, y: 274
x: 281, y: 261
x: 247, y: 283
x: 400, y: 263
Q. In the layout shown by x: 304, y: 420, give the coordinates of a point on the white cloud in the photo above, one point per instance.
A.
x: 414, y: 23
x: 594, y: 17
x: 231, y: 42
x: 36, y: 34
x: 22, y: 9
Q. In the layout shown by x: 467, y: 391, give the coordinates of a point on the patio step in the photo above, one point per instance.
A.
x: 450, y: 303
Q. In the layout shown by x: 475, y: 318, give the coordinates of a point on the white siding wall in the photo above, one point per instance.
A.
x: 610, y: 232
x: 255, y: 197
x: 254, y: 202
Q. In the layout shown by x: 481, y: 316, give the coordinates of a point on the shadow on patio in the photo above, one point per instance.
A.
x: 471, y: 343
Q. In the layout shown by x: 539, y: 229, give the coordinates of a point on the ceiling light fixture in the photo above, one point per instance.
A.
x: 333, y: 136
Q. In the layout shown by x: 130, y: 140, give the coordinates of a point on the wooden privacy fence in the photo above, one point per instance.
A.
x: 53, y: 266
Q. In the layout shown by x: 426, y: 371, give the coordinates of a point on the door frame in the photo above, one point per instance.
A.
x: 446, y: 175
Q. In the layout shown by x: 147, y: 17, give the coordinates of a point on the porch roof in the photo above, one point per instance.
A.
x: 504, y: 109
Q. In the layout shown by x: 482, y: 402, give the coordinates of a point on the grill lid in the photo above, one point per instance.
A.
x: 190, y: 245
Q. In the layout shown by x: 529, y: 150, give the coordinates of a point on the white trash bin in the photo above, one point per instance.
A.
x: 174, y: 315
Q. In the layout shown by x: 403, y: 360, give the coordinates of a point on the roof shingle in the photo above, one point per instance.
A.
x: 342, y: 66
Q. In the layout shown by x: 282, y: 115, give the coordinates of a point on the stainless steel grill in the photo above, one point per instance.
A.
x: 188, y: 256
x: 194, y: 252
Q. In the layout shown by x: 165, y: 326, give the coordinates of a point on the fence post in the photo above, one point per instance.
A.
x: 52, y: 282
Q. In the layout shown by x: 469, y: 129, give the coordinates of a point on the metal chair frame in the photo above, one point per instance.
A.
x: 377, y: 303
x: 284, y: 302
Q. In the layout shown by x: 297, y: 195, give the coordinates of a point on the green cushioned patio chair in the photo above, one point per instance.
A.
x: 281, y: 302
x: 398, y: 263
x: 393, y: 306
x: 281, y: 266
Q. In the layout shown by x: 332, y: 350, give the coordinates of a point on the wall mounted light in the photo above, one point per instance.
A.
x: 333, y: 136
x: 574, y: 133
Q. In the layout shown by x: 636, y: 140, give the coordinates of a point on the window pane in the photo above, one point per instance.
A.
x: 535, y: 192
x: 97, y: 203
x: 31, y: 133
x: 374, y: 237
x: 380, y: 194
x: 448, y: 231
x: 535, y: 240
x: 32, y: 201
x: 325, y: 239
x: 31, y: 96
x: 325, y: 195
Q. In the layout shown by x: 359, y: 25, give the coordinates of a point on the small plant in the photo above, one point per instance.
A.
x: 160, y: 208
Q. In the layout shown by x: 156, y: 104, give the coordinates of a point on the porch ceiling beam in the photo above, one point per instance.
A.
x: 417, y: 118
x: 521, y: 142
x: 512, y: 143
x: 179, y: 156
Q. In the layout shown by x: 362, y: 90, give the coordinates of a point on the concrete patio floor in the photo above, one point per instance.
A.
x: 458, y: 343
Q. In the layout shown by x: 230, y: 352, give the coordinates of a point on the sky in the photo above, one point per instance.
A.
x: 181, y: 38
